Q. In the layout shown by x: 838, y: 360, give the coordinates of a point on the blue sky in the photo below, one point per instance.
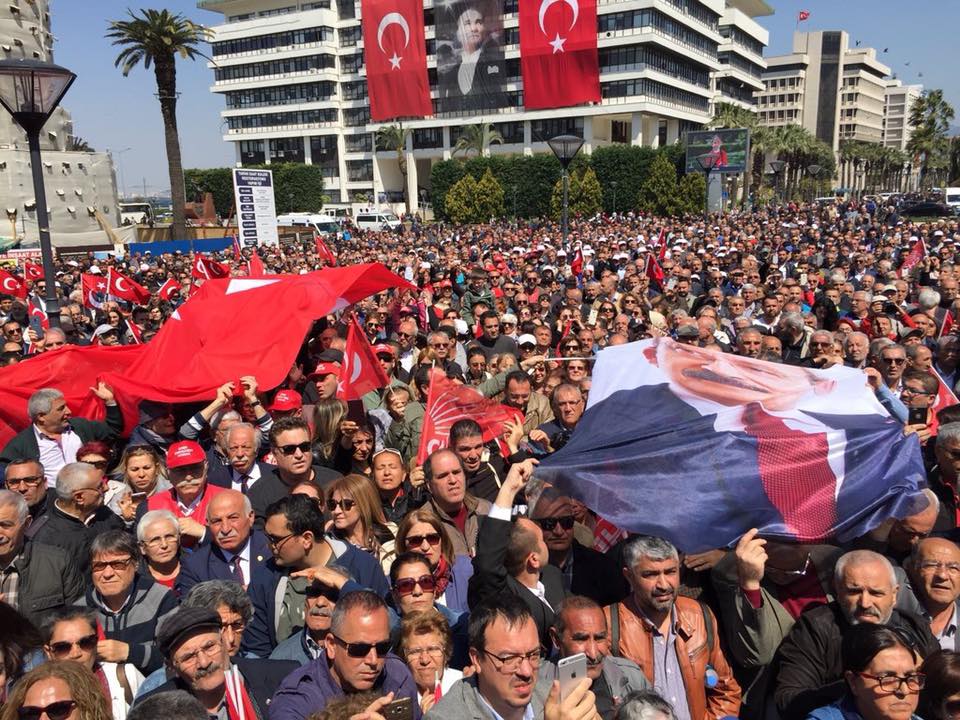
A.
x: 111, y: 111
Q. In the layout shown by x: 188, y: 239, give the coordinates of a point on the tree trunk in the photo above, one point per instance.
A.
x: 402, y: 161
x: 166, y: 74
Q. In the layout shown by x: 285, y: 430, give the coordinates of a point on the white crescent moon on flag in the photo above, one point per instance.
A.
x: 10, y: 284
x: 118, y: 282
x: 545, y: 5
x: 355, y: 373
x: 395, y: 18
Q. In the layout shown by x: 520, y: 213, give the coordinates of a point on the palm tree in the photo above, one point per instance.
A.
x: 477, y: 138
x: 394, y: 137
x: 158, y: 37
x: 78, y: 144
x: 929, y: 120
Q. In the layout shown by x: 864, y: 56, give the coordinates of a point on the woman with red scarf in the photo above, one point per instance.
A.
x: 422, y: 531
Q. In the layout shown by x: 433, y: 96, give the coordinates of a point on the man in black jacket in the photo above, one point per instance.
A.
x: 34, y: 579
x: 512, y: 557
x: 808, y: 667
x: 25, y: 476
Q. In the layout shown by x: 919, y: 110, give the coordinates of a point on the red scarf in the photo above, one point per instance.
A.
x: 441, y: 576
x: 104, y: 683
x: 239, y: 704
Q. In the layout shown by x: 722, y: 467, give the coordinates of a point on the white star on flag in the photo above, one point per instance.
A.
x: 557, y: 44
x: 395, y: 62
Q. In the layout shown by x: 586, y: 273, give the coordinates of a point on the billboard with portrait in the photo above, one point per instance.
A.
x: 471, y: 72
x: 726, y: 151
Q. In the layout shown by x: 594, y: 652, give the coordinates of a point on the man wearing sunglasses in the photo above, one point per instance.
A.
x: 26, y: 478
x: 34, y: 578
x: 357, y: 659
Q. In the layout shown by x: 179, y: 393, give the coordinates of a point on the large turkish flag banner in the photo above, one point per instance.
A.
x: 558, y: 53
x: 395, y: 53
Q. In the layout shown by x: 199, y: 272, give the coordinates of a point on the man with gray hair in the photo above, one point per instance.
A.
x: 807, y: 669
x: 78, y: 514
x: 242, y: 444
x: 54, y: 435
x: 795, y: 337
x: 34, y: 579
x: 674, y: 639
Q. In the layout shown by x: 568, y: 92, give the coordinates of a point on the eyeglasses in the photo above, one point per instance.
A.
x: 277, y: 542
x: 894, y: 361
x: 238, y: 626
x: 288, y: 450
x: 62, y: 649
x: 362, y: 649
x: 418, y: 540
x: 347, y: 504
x: 161, y: 539
x: 208, y: 650
x: 31, y: 480
x: 115, y: 565
x: 405, y: 586
x: 939, y: 566
x: 434, y: 650
x: 907, y: 390
x: 892, y: 683
x: 549, y: 524
x: 511, y: 663
x: 55, y: 711
x: 404, y: 335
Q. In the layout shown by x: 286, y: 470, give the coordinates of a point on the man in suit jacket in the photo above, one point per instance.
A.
x: 243, y: 449
x: 513, y: 558
x: 934, y: 572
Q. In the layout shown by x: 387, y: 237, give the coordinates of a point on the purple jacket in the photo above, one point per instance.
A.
x: 309, y: 688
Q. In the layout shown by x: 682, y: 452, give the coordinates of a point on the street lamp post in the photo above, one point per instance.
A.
x: 814, y: 172
x: 707, y: 163
x: 30, y: 91
x: 613, y: 184
x: 777, y: 166
x: 565, y: 147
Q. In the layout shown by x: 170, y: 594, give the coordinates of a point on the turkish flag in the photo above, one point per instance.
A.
x: 34, y: 311
x: 207, y: 269
x: 803, y: 15
x: 662, y: 244
x: 324, y: 251
x: 361, y: 371
x: 256, y: 265
x: 576, y: 265
x: 447, y: 402
x: 395, y: 54
x: 237, y: 250
x: 558, y: 53
x: 94, y: 290
x: 32, y: 271
x: 168, y: 288
x: 945, y: 398
x: 916, y: 254
x: 12, y: 285
x: 948, y: 323
x: 135, y: 331
x: 654, y: 271
x: 124, y: 288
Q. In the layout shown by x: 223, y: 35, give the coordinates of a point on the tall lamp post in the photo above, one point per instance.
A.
x: 777, y: 166
x: 814, y: 172
x: 613, y: 184
x: 30, y: 91
x: 707, y: 163
x: 565, y: 147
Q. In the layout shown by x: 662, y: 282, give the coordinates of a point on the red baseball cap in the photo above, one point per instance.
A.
x: 285, y: 401
x: 326, y: 368
x: 185, y: 452
x: 384, y: 348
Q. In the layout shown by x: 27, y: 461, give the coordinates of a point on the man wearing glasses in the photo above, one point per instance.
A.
x: 357, y: 659
x: 34, y: 579
x: 26, y: 477
x: 891, y: 362
x: 934, y: 570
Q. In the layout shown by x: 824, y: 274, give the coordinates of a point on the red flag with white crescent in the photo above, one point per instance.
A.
x: 395, y: 55
x: 255, y: 267
x: 94, y: 290
x: 168, y: 288
x: 558, y: 53
x: 361, y: 371
x: 13, y: 285
x: 207, y: 269
x: 324, y: 251
x: 32, y: 271
x: 948, y: 323
x: 576, y: 265
x: 124, y: 288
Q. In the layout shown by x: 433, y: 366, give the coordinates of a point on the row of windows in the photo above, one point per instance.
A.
x: 735, y: 89
x: 299, y: 117
x: 285, y: 66
x: 774, y: 83
x: 641, y: 19
x: 290, y: 38
x: 777, y: 99
x: 350, y: 36
x: 353, y: 117
x: 694, y: 9
x: 281, y: 95
x: 359, y: 170
x: 356, y: 90
x: 428, y: 138
x: 637, y: 57
x: 739, y: 37
x: 654, y: 89
x: 734, y: 60
x: 358, y: 143
x: 778, y: 115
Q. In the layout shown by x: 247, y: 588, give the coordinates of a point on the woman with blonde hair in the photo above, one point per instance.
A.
x: 57, y: 690
x: 422, y: 531
x: 142, y: 470
x: 327, y: 416
x: 356, y: 515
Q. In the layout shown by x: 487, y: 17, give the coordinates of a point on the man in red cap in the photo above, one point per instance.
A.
x: 286, y: 403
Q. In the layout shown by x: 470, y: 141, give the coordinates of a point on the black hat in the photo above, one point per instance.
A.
x: 183, y: 623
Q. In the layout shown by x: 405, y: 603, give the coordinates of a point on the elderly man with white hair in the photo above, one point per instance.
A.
x: 54, y: 435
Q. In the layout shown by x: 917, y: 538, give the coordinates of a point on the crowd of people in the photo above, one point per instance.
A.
x: 279, y: 553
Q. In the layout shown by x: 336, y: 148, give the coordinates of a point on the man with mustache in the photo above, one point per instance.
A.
x: 674, y: 639
x: 321, y: 597
x: 807, y: 668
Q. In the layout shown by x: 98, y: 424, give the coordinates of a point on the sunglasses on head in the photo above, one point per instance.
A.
x: 63, y: 648
x: 549, y: 524
x: 347, y: 504
x: 405, y: 586
x: 303, y: 447
x: 417, y: 540
x: 361, y: 649
x: 55, y: 711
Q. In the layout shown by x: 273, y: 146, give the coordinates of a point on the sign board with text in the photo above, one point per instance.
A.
x: 256, y: 209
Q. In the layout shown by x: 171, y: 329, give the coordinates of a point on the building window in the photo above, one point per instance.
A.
x: 620, y: 131
x: 281, y: 95
x: 287, y: 66
x: 512, y: 132
x: 356, y: 90
x: 643, y: 19
x: 251, y: 152
x: 428, y: 138
x: 359, y: 143
x: 543, y: 130
x: 356, y: 116
x: 642, y: 57
x: 272, y: 41
x: 653, y: 89
x: 286, y: 150
x: 359, y: 170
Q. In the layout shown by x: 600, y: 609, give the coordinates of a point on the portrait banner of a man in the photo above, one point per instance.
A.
x: 471, y: 72
x: 699, y: 446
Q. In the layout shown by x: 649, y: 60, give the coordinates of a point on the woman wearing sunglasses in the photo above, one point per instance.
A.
x: 422, y: 531
x: 57, y: 690
x: 356, y: 516
x: 880, y: 667
x: 71, y: 634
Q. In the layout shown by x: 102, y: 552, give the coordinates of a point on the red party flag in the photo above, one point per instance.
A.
x: 361, y: 371
x: 237, y: 250
x: 395, y: 55
x: 256, y: 265
x: 558, y: 53
x: 654, y: 271
x: 662, y: 243
x: 803, y: 15
x: 324, y: 251
x: 206, y: 269
x: 948, y: 323
x: 168, y: 288
x: 32, y: 271
x: 916, y: 254
x: 576, y: 265
x: 135, y: 332
x: 447, y: 402
x: 94, y: 290
x: 13, y: 285
x: 124, y: 288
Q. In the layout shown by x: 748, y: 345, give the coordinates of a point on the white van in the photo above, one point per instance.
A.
x: 951, y: 196
x: 376, y: 220
x: 321, y: 224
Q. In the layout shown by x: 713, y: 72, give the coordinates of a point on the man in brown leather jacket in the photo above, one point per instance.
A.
x: 673, y: 639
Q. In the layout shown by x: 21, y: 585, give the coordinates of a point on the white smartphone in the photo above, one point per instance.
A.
x: 570, y: 671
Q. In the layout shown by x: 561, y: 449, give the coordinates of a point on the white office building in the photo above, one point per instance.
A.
x: 292, y: 76
x: 78, y: 184
x: 899, y: 100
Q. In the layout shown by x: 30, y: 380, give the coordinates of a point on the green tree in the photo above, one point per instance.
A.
x: 477, y: 138
x: 929, y: 121
x: 78, y: 144
x: 443, y: 176
x: 488, y: 199
x: 620, y: 170
x: 394, y: 137
x: 297, y: 187
x: 590, y: 197
x: 157, y: 37
x: 691, y: 193
x: 556, y: 198
x: 461, y: 200
x: 216, y: 181
x: 658, y: 194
